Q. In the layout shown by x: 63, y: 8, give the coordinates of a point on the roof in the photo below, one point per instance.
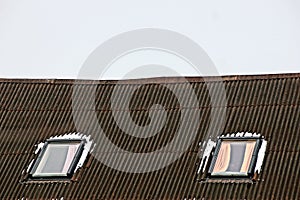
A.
x: 32, y: 111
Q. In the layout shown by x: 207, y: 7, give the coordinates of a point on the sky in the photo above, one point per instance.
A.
x: 53, y: 39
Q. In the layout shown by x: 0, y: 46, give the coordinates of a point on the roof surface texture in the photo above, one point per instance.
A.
x: 31, y: 111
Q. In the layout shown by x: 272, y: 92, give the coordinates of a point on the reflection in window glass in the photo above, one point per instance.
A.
x: 234, y: 158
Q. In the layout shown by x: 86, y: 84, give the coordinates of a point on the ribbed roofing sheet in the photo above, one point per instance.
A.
x: 33, y: 110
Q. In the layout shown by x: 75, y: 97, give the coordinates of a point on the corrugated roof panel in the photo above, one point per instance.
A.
x: 33, y: 110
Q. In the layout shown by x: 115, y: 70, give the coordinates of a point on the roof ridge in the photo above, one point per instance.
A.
x: 154, y: 79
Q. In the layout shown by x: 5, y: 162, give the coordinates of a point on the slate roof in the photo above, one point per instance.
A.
x: 33, y: 110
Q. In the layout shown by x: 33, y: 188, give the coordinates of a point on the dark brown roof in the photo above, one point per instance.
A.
x: 33, y: 110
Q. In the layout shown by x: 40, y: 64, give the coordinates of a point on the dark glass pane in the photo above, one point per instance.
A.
x: 237, y: 153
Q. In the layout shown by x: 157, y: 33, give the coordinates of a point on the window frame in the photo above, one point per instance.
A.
x: 72, y: 166
x: 252, y: 164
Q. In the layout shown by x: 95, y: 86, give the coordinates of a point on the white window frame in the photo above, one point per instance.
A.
x: 33, y: 171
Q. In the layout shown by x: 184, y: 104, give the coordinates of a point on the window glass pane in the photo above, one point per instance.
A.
x: 234, y: 157
x: 237, y: 152
x: 54, y: 159
x: 57, y: 159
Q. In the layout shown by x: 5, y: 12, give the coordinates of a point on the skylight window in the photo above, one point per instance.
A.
x: 234, y: 157
x: 237, y: 155
x: 59, y: 157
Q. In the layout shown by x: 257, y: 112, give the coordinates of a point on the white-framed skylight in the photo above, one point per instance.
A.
x: 57, y: 159
x: 233, y: 155
x: 60, y: 156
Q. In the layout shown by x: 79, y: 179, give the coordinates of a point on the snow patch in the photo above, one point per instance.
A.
x: 248, y: 134
x: 39, y: 147
x: 29, y: 166
x: 207, y: 151
x: 241, y: 134
x: 261, y: 155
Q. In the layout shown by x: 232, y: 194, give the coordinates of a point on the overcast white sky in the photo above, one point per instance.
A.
x: 52, y: 39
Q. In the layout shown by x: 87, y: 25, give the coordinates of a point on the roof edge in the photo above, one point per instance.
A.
x: 155, y: 79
